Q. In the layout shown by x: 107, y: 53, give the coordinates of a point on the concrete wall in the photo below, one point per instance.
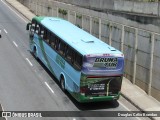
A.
x: 139, y: 41
x: 137, y: 6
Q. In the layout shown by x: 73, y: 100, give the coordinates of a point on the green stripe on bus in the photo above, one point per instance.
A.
x: 45, y: 56
x: 39, y: 19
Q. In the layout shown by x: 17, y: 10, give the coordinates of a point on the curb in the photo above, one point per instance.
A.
x: 132, y: 102
x: 14, y: 6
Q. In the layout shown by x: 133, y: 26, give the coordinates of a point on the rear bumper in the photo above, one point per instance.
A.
x: 83, y: 99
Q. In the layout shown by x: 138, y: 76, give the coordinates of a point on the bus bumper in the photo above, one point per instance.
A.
x: 83, y: 99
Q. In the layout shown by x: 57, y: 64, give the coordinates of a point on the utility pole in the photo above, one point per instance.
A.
x: 158, y: 8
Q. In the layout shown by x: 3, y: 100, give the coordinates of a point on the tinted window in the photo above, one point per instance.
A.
x: 57, y: 43
x: 52, y: 40
x: 37, y: 29
x: 69, y: 54
x: 42, y: 32
x: 62, y: 48
x: 48, y: 34
x: 78, y: 60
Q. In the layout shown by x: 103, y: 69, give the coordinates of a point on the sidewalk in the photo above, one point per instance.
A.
x: 139, y: 98
x: 21, y: 8
x: 131, y: 92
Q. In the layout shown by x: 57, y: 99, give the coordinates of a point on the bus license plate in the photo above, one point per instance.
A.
x: 97, y: 89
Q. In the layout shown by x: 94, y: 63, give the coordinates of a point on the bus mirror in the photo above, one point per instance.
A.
x: 0, y: 35
x: 28, y: 26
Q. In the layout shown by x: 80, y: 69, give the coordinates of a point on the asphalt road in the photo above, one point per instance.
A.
x: 26, y: 85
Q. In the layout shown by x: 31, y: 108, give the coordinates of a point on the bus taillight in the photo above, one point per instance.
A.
x: 83, y: 90
x: 96, y: 77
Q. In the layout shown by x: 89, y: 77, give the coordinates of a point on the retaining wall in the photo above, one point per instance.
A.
x: 136, y: 6
x: 140, y: 42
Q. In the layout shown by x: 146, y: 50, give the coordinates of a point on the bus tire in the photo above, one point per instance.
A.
x: 62, y: 84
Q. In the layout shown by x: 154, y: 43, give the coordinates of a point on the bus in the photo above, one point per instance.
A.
x: 88, y: 68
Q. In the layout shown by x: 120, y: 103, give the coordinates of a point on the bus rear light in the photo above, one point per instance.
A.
x: 96, y: 76
x: 122, y: 55
x: 83, y: 90
x: 107, y: 55
x: 118, y: 55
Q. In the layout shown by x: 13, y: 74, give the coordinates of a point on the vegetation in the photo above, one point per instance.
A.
x: 62, y: 11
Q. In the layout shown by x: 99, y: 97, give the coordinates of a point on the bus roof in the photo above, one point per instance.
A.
x: 77, y: 38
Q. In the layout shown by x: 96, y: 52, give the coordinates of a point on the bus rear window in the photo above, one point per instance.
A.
x: 103, y: 63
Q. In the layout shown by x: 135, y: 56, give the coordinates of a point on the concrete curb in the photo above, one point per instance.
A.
x: 21, y: 8
x: 139, y: 98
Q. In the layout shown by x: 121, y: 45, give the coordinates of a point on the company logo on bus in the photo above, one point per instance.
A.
x: 106, y: 62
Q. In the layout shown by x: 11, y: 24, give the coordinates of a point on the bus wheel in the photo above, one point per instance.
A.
x: 62, y: 82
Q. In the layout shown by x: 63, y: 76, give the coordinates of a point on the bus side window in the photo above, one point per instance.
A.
x: 57, y: 43
x: 48, y: 34
x: 62, y: 48
x: 73, y: 57
x: 40, y: 27
x: 69, y: 54
x: 42, y: 32
x: 78, y: 60
x: 45, y: 34
x: 32, y: 29
x: 65, y: 51
x: 33, y: 26
x: 37, y: 29
x: 52, y: 40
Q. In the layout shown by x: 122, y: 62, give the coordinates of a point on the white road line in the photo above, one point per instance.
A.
x: 5, y: 31
x: 15, y: 43
x: 29, y: 61
x: 49, y: 87
x: 14, y: 11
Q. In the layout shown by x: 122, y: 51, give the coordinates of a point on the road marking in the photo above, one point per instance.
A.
x: 5, y: 31
x: 15, y: 43
x: 49, y: 87
x: 29, y: 61
x: 74, y: 118
x: 14, y: 11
